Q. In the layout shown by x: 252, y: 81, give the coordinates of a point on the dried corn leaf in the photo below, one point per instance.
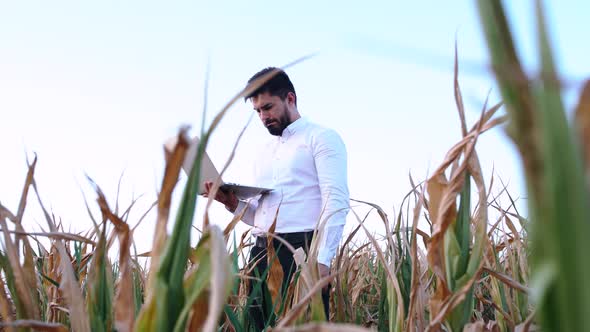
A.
x: 323, y: 327
x: 68, y: 284
x: 275, y: 275
x: 5, y: 307
x: 174, y: 162
x: 36, y: 325
x: 124, y: 302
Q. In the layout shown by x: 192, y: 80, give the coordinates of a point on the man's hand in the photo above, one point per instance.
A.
x: 228, y: 199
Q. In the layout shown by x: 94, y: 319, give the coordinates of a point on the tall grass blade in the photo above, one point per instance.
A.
x: 14, y: 276
x: 25, y: 283
x: 582, y: 121
x: 221, y: 279
x: 414, y: 314
x: 124, y: 304
x: 5, y: 304
x: 298, y: 308
x: 565, y: 199
x: 36, y: 325
x: 28, y: 262
x: 99, y: 298
x: 171, y: 173
x: 323, y: 327
x: 558, y: 192
x: 69, y: 285
x: 275, y: 275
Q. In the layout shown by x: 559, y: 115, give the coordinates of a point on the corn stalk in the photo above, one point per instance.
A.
x: 558, y: 195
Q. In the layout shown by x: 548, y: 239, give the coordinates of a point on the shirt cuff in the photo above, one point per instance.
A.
x: 325, y: 258
x: 329, y: 244
x: 241, y: 206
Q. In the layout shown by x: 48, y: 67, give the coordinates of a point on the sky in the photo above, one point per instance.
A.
x: 95, y: 88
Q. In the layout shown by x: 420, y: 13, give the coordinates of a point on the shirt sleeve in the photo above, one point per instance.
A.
x: 331, y: 165
x: 248, y: 207
x: 249, y: 210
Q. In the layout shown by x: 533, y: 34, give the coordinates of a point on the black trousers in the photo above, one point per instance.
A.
x: 260, y: 310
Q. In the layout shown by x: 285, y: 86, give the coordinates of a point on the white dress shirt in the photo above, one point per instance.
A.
x: 307, y: 169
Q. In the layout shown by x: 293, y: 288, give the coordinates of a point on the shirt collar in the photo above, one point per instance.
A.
x: 294, y: 127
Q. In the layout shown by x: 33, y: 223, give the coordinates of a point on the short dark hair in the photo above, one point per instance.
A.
x: 278, y: 85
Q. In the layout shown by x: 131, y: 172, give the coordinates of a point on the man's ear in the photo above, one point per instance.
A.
x: 291, y: 98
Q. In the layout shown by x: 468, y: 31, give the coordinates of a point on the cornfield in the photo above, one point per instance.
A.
x: 479, y: 266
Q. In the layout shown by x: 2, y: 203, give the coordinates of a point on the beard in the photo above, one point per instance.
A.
x: 276, y: 126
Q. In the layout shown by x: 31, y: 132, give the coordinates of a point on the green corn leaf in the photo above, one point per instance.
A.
x: 457, y: 246
x: 233, y: 318
x: 463, y: 228
x: 9, y: 280
x: 197, y: 281
x: 563, y: 212
x: 558, y: 195
x: 394, y: 321
x: 452, y: 257
x: 405, y: 277
x: 100, y: 289
x: 383, y: 323
x: 169, y: 298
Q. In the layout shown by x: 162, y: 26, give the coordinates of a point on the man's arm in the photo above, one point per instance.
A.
x: 233, y: 205
x: 331, y: 164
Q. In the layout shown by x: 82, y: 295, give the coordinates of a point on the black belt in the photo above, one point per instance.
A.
x: 297, y: 237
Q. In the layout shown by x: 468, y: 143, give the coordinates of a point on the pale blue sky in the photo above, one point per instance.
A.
x: 96, y: 87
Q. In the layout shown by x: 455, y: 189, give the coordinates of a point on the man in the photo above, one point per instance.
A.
x: 306, y: 166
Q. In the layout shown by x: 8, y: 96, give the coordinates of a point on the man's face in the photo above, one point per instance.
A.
x: 273, y: 112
